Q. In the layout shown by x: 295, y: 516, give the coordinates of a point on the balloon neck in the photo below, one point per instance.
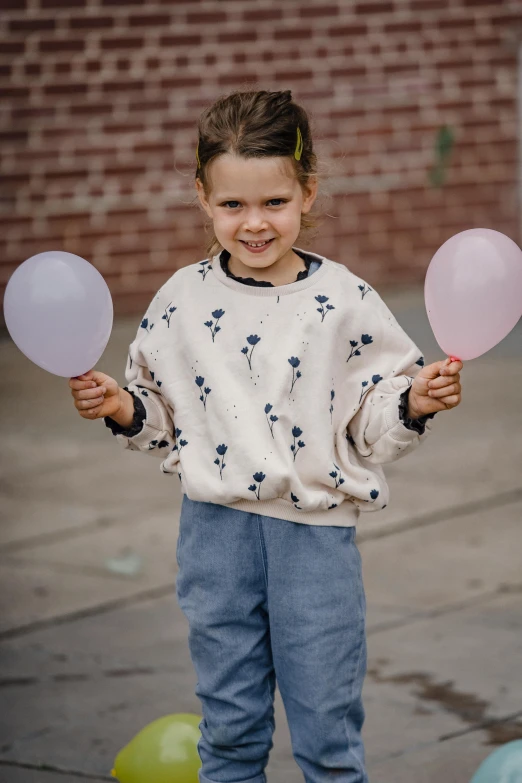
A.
x: 455, y: 359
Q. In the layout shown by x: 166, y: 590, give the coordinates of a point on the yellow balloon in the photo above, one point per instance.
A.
x: 162, y: 752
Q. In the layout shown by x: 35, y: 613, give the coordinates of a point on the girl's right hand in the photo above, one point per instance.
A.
x: 95, y: 395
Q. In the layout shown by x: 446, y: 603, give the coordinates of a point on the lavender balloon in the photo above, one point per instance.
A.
x: 58, y: 310
x: 473, y: 291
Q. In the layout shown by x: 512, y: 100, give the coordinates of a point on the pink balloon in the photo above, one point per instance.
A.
x: 58, y: 311
x: 473, y: 291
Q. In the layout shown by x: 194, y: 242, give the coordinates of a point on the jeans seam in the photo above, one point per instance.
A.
x: 263, y: 560
x: 263, y: 549
x: 357, y: 667
x: 361, y: 768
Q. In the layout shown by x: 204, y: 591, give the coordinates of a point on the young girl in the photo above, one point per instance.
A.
x: 275, y: 383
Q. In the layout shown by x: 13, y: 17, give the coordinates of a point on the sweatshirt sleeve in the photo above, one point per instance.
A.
x: 381, y: 429
x: 152, y: 429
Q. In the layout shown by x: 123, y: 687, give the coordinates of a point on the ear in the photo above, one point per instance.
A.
x: 310, y: 194
x: 202, y: 197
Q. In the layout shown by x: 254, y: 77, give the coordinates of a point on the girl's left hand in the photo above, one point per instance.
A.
x: 435, y: 388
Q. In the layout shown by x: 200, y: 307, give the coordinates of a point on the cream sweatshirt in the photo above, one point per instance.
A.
x: 284, y: 401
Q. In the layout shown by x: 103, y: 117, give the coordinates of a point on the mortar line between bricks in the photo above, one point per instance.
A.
x: 92, y: 611
x: 442, y: 515
x: 52, y: 768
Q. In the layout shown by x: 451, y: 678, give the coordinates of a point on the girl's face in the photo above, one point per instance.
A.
x: 252, y: 200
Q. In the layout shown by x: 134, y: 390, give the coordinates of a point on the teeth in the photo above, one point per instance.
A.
x: 257, y: 244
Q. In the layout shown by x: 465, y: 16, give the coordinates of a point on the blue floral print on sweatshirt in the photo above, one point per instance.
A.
x: 215, y: 328
x: 221, y: 450
x: 259, y: 477
x: 252, y: 340
x: 366, y: 339
x: 322, y: 300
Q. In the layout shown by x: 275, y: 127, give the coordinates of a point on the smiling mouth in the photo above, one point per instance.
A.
x: 257, y: 244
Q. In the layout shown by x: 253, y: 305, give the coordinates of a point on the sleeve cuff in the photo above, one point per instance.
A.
x: 139, y: 417
x: 417, y: 425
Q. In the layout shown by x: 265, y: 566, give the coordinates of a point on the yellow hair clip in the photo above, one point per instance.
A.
x: 299, y: 145
x: 197, y: 155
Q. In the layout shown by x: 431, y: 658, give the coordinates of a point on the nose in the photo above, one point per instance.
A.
x: 254, y: 221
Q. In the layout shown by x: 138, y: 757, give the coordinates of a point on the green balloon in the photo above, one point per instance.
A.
x: 165, y: 751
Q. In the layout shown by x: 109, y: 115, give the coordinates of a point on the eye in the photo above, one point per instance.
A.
x: 282, y: 200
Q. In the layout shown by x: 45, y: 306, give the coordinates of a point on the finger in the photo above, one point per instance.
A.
x: 452, y: 368
x: 88, y: 405
x: 431, y: 371
x: 75, y: 384
x: 453, y: 388
x: 82, y: 405
x: 90, y: 414
x: 88, y: 394
x: 439, y: 383
x: 451, y: 401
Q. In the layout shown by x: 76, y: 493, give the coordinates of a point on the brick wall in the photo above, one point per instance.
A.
x: 101, y: 98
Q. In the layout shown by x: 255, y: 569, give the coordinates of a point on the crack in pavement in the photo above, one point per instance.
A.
x: 501, y: 730
x: 506, y: 720
x: 440, y: 611
x: 432, y: 517
x: 117, y: 603
x: 442, y: 515
x: 164, y: 590
x: 83, y: 569
x: 101, y: 523
x: 468, y: 707
x: 53, y: 768
x: 134, y: 671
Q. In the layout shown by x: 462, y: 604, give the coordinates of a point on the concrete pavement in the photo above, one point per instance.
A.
x: 93, y: 645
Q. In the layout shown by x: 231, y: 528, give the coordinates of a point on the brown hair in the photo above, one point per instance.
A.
x: 255, y: 124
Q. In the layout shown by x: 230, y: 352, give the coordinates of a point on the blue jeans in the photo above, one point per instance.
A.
x: 268, y: 598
